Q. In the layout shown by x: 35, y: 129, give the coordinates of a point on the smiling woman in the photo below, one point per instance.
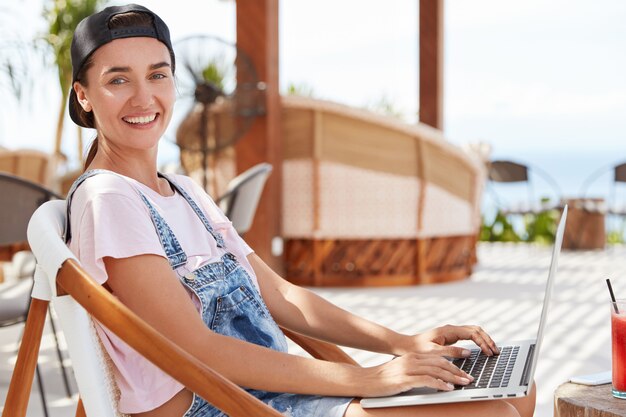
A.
x: 162, y: 246
x: 134, y: 97
x: 124, y: 27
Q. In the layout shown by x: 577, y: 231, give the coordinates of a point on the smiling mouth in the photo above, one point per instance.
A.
x: 142, y: 120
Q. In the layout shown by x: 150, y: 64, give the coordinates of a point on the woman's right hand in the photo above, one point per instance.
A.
x: 412, y: 370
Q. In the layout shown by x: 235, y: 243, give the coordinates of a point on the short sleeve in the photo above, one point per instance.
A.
x: 218, y: 219
x: 115, y: 224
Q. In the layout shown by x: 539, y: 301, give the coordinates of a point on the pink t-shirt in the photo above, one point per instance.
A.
x: 109, y: 218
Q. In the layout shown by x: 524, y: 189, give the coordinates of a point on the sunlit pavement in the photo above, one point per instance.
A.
x: 503, y: 295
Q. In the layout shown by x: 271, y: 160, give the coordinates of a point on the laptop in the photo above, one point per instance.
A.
x: 507, y: 375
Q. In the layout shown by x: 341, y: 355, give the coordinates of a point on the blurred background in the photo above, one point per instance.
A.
x: 540, y: 82
x: 537, y: 83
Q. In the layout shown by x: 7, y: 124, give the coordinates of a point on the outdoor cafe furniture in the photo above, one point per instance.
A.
x: 33, y: 165
x: 511, y: 172
x: 573, y: 400
x: 241, y: 198
x: 587, y: 227
x: 585, y: 224
x: 370, y: 200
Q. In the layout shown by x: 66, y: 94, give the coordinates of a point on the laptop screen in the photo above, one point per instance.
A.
x: 556, y: 250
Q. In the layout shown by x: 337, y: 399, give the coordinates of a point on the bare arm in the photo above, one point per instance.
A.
x: 303, y: 311
x: 148, y: 286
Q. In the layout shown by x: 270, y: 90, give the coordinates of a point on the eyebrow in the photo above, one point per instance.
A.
x: 127, y: 69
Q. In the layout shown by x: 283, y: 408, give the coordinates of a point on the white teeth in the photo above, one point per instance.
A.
x: 140, y: 120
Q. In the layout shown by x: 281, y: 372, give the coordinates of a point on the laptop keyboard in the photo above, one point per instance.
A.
x: 488, y: 371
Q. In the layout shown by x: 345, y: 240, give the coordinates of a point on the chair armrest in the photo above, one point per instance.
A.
x: 196, y: 376
x: 320, y: 349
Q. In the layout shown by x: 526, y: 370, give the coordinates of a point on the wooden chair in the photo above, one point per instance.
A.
x: 76, y: 297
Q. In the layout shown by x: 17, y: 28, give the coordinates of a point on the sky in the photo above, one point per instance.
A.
x: 537, y: 80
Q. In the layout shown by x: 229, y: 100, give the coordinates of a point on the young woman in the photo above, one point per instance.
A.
x: 161, y: 245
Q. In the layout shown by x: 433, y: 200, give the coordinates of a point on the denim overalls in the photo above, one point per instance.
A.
x: 232, y: 306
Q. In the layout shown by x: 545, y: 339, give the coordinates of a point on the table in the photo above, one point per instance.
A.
x: 585, y: 224
x: 574, y: 400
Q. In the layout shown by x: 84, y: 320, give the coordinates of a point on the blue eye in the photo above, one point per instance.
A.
x: 117, y: 81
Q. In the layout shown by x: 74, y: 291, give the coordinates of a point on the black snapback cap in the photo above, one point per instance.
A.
x: 93, y: 31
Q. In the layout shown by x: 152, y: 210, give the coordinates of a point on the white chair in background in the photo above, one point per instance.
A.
x: 242, y: 196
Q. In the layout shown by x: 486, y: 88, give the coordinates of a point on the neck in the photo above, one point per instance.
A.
x: 143, y: 170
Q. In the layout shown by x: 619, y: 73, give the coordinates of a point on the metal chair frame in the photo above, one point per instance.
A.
x: 506, y: 171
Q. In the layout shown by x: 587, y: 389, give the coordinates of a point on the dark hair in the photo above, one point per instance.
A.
x: 123, y: 20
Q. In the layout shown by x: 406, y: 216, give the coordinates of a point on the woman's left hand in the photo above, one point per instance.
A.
x: 438, y: 341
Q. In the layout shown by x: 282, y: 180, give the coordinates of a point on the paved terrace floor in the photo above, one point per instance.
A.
x: 503, y: 295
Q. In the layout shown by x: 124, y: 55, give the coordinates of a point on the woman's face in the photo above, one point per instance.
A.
x: 130, y: 89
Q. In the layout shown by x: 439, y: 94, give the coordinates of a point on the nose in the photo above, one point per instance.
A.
x: 143, y: 96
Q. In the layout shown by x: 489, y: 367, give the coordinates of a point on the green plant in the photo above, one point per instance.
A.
x: 616, y: 235
x: 541, y: 227
x: 62, y: 17
x: 302, y: 90
x: 500, y: 230
x: 538, y: 227
x: 215, y: 74
x: 385, y: 106
x: 19, y: 56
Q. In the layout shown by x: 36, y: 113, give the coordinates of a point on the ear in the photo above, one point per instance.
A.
x: 82, y: 97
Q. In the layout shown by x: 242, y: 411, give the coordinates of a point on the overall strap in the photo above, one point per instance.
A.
x: 174, y: 252
x: 216, y: 235
x: 67, y: 236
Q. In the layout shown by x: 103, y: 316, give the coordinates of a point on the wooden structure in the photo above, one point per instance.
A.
x: 369, y: 200
x: 33, y: 165
x: 257, y: 35
x: 573, y: 400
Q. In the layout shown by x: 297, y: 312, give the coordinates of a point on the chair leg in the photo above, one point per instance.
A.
x: 66, y: 380
x: 24, y: 371
x: 41, y: 391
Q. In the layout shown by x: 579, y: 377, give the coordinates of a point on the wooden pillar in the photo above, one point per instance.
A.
x: 431, y: 62
x: 257, y: 36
